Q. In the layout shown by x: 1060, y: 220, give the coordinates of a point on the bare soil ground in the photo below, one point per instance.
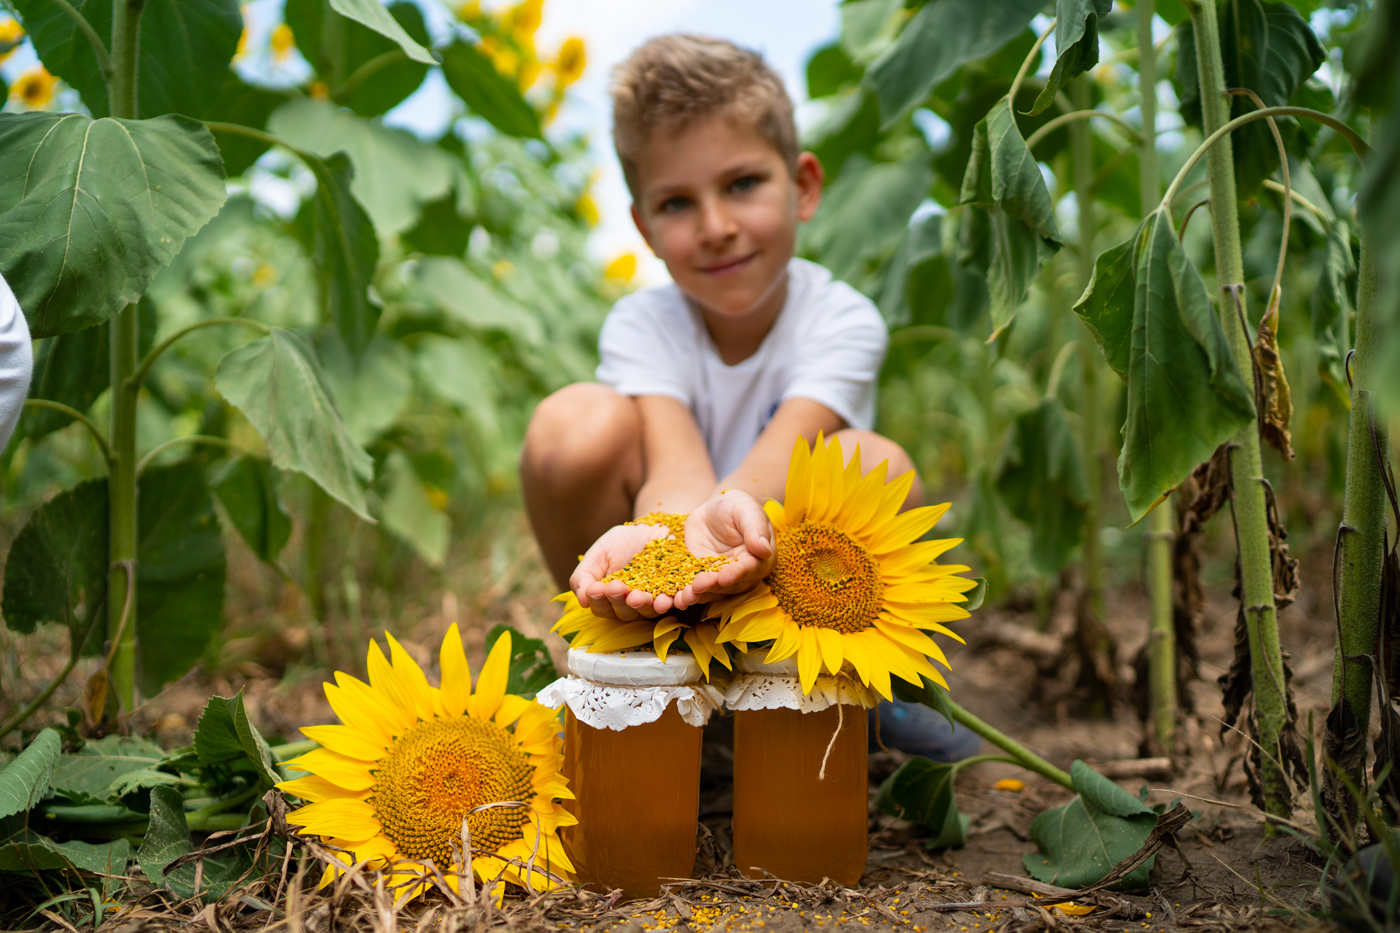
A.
x: 1225, y: 876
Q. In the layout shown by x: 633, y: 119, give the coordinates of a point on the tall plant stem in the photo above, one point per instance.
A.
x: 121, y: 477
x: 1161, y: 646
x: 1246, y: 465
x: 1015, y: 750
x: 1093, y: 638
x: 1362, y: 533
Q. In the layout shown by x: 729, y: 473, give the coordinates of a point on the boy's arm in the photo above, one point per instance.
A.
x: 763, y: 471
x: 679, y: 475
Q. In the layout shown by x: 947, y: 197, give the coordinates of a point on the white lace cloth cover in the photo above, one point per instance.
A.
x: 759, y: 685
x: 631, y: 688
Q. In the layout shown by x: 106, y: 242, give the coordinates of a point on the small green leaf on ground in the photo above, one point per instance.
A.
x: 25, y: 781
x: 88, y: 775
x: 1080, y: 842
x: 531, y: 668
x: 26, y: 851
x: 226, y: 736
x: 277, y: 383
x: 921, y: 791
x: 168, y: 836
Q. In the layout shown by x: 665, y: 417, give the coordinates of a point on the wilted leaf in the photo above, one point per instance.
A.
x: 1267, y: 47
x: 87, y: 776
x: 1076, y: 44
x: 90, y: 210
x: 1080, y: 842
x: 531, y: 668
x: 57, y: 566
x: 247, y: 487
x: 921, y: 791
x: 1344, y: 751
x: 490, y: 94
x: 25, y: 780
x: 938, y: 40
x: 1277, y: 401
x: 1004, y: 179
x: 183, y: 52
x: 1185, y: 394
x: 1041, y: 479
x: 276, y: 382
x: 408, y: 513
x: 1107, y: 305
x: 224, y: 736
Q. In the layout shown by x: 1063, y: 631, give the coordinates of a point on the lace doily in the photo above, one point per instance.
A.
x: 605, y: 706
x: 760, y: 685
x: 614, y: 691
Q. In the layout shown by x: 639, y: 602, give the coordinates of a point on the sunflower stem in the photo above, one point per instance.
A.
x: 1014, y: 750
x: 283, y: 753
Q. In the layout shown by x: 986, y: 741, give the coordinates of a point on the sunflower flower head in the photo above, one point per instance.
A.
x: 852, y: 583
x: 35, y: 88
x: 11, y: 37
x: 416, y: 774
x: 687, y: 628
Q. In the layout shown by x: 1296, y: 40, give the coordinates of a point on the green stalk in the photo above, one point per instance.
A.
x: 1246, y: 465
x: 1362, y: 532
x: 1015, y: 750
x: 1161, y: 646
x: 121, y: 477
x: 1092, y: 439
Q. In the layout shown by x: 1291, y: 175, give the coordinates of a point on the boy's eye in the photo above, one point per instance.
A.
x: 744, y: 183
x: 673, y: 204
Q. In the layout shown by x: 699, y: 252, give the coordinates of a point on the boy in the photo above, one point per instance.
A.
x: 716, y: 375
x: 704, y: 385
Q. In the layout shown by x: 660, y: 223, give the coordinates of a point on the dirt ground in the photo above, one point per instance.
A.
x: 1225, y: 876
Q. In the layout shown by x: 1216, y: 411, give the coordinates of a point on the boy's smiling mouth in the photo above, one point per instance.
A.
x: 728, y: 266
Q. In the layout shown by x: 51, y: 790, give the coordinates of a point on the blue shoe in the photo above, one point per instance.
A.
x: 917, y: 730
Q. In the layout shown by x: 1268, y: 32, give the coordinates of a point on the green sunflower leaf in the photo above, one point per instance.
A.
x: 1041, y: 479
x: 26, y: 851
x: 88, y: 775
x: 531, y: 668
x: 490, y: 94
x: 1076, y: 45
x: 247, y: 487
x: 25, y: 780
x: 921, y: 791
x: 1080, y: 842
x: 225, y: 736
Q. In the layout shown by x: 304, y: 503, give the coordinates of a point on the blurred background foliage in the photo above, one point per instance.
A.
x: 482, y: 297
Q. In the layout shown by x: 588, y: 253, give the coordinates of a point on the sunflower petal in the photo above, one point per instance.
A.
x: 491, y: 685
x: 797, y: 494
x: 833, y: 656
x: 354, y: 704
x: 388, y: 688
x: 350, y: 742
x: 456, y: 673
x: 809, y: 660
x: 313, y: 789
x: 662, y: 642
x: 344, y: 817
x: 338, y: 769
x: 707, y: 636
x: 620, y: 635
x: 412, y: 677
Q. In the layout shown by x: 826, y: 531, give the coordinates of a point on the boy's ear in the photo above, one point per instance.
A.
x: 809, y: 185
x: 642, y: 227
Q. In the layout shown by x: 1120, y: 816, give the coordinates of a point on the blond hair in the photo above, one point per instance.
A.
x: 672, y: 81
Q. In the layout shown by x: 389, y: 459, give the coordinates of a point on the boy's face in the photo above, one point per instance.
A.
x: 717, y: 203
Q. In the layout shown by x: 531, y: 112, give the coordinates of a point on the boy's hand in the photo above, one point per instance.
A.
x: 734, y: 525
x: 610, y: 553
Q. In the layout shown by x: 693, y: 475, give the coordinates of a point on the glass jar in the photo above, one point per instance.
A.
x: 791, y: 820
x: 632, y: 759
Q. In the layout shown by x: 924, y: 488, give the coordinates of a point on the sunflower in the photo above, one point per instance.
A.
x: 851, y: 582
x: 412, y: 762
x: 687, y: 625
x: 35, y: 88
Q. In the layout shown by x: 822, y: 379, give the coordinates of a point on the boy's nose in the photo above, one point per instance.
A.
x: 716, y: 223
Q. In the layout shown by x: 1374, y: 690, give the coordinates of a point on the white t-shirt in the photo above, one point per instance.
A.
x: 16, y: 362
x: 826, y: 344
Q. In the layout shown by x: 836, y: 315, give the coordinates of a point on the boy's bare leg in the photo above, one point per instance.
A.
x: 580, y: 469
x: 875, y: 448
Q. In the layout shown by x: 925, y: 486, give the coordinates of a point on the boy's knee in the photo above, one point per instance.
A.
x: 876, y: 448
x: 580, y: 433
